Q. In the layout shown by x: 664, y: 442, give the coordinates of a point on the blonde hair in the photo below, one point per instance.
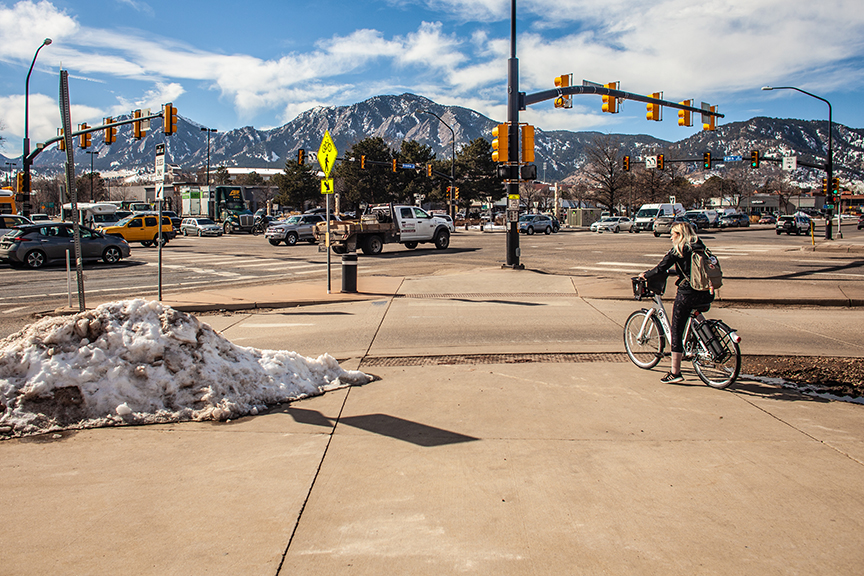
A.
x: 686, y: 235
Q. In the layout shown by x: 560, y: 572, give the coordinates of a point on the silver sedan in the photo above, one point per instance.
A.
x: 35, y: 245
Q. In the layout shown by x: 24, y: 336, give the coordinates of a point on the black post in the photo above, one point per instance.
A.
x: 513, y: 251
x: 25, y: 160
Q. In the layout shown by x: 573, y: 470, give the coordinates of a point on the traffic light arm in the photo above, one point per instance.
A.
x: 42, y: 146
x: 529, y: 99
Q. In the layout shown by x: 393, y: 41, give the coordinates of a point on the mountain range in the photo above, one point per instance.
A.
x: 558, y: 153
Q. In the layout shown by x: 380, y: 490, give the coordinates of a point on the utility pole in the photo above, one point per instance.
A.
x: 513, y: 251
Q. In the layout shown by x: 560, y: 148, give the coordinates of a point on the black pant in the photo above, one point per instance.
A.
x: 685, y: 302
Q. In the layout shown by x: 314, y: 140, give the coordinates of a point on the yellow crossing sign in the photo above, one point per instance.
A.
x: 327, y: 154
x: 327, y: 186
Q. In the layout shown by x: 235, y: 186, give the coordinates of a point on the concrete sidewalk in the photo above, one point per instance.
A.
x: 584, y: 465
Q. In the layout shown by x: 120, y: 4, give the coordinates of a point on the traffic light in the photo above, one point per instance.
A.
x: 709, y: 122
x: 169, y: 118
x: 835, y: 186
x: 654, y: 110
x: 626, y: 163
x: 19, y: 183
x: 363, y: 162
x: 706, y: 160
x: 500, y: 144
x: 527, y: 143
x: 110, y: 132
x: 62, y: 143
x: 685, y: 117
x: 563, y: 101
x: 394, y: 165
x: 457, y: 194
x: 610, y: 103
x: 429, y: 170
x: 754, y: 159
x: 84, y: 139
x: 824, y: 185
x: 137, y: 130
x: 301, y: 156
x: 661, y: 162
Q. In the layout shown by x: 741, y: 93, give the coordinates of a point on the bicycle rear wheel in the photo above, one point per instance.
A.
x: 645, y: 349
x: 723, y: 372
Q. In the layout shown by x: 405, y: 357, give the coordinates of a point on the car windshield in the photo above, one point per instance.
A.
x: 205, y: 221
x: 526, y: 218
x: 647, y: 213
x: 294, y: 220
x: 124, y: 221
x: 16, y: 233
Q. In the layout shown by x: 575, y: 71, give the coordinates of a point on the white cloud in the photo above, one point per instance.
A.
x: 44, y: 119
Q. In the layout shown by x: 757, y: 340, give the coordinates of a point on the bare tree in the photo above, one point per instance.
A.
x: 604, y: 170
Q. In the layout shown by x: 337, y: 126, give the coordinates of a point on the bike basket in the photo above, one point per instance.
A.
x: 646, y: 288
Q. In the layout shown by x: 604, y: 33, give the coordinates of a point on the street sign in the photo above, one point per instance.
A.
x: 327, y: 186
x: 513, y: 202
x: 160, y: 171
x: 327, y: 154
x: 732, y: 158
x: 409, y: 166
x: 650, y: 162
x: 790, y: 163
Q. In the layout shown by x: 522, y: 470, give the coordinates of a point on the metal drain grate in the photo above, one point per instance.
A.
x: 509, y: 295
x: 463, y: 359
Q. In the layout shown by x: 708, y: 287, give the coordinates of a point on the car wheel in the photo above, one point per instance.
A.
x: 339, y: 249
x: 779, y: 232
x: 616, y: 230
x: 186, y: 232
x: 274, y: 242
x: 35, y: 259
x: 442, y: 240
x: 410, y: 245
x: 199, y: 233
x: 656, y: 234
x: 548, y: 230
x: 373, y: 245
x: 146, y: 244
x: 530, y: 231
x: 227, y: 228
x: 111, y: 255
x: 291, y: 239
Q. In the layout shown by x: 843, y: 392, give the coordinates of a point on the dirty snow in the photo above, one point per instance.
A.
x: 139, y: 362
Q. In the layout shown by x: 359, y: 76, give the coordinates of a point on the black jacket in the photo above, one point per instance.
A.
x: 681, y: 265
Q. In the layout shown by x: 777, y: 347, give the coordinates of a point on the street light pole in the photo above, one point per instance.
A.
x: 829, y: 168
x: 208, y: 131
x: 452, y: 162
x: 513, y: 251
x: 92, y: 190
x: 26, y: 151
x: 10, y: 165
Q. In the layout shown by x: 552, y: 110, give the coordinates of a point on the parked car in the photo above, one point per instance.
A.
x: 9, y: 221
x: 698, y: 219
x: 734, y: 221
x: 663, y: 224
x: 531, y: 223
x: 299, y: 227
x: 797, y: 224
x: 142, y: 227
x: 612, y: 224
x: 40, y: 218
x: 556, y: 224
x: 767, y: 219
x: 37, y: 244
x: 200, y: 227
x: 861, y: 222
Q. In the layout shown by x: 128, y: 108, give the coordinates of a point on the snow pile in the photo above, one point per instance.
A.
x: 139, y: 362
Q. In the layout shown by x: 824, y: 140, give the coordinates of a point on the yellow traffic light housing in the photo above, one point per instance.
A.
x: 835, y: 186
x: 137, y: 130
x: 169, y: 118
x: 19, y: 183
x: 564, y: 100
x: 754, y: 159
x: 62, y: 143
x: 429, y: 170
x: 84, y: 139
x: 610, y: 103
x: 824, y: 185
x: 500, y: 144
x: 363, y: 162
x: 394, y: 165
x: 709, y: 121
x: 654, y: 109
x: 626, y: 163
x: 661, y: 162
x: 706, y: 160
x: 110, y: 132
x: 685, y: 117
x: 527, y: 143
x: 301, y: 156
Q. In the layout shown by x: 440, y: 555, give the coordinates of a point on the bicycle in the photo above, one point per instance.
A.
x: 259, y: 227
x: 709, y: 344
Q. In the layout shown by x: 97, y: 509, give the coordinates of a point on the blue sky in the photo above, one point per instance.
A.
x: 262, y: 62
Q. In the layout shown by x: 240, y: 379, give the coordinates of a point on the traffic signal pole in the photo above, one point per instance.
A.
x: 513, y: 104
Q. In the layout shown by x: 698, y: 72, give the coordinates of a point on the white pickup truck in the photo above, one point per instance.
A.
x: 389, y: 223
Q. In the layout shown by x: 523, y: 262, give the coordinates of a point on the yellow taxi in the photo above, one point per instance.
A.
x: 142, y: 228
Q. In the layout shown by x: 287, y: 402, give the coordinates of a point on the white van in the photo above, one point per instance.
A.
x: 649, y: 212
x: 89, y: 213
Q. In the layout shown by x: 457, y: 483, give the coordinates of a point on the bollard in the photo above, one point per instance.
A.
x: 349, y: 273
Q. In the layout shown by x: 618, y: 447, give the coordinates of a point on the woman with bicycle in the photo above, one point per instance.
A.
x: 684, y: 243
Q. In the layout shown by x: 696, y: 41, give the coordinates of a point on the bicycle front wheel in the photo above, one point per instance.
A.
x: 724, y: 371
x: 643, y: 339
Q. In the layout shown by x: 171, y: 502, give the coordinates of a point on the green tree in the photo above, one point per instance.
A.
x: 251, y: 179
x: 220, y: 176
x: 297, y: 184
x: 373, y: 185
x: 411, y: 182
x: 475, y: 173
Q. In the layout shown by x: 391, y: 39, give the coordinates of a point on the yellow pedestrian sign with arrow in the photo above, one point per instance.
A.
x: 327, y: 154
x: 327, y: 186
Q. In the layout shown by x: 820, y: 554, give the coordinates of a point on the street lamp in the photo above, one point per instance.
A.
x: 26, y: 152
x: 208, y: 131
x: 10, y: 165
x: 92, y: 153
x: 830, y: 165
x: 452, y: 161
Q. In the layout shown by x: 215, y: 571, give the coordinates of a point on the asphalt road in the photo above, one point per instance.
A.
x: 190, y: 263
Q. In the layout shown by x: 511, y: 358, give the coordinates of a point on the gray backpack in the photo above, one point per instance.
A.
x: 705, y: 272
